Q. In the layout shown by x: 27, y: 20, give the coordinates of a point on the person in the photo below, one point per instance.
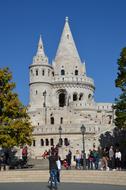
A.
x: 58, y: 162
x: 118, y: 159
x: 78, y: 160
x: 111, y: 158
x: 90, y: 159
x: 104, y: 160
x: 24, y: 154
x: 53, y: 169
x: 68, y: 158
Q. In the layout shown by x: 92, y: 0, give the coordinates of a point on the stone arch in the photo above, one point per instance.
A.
x: 76, y: 71
x: 51, y: 141
x: 75, y: 96
x: 62, y: 96
x: 42, y: 142
x: 52, y: 120
x: 46, y: 142
x: 80, y: 96
x: 62, y: 72
x: 66, y: 142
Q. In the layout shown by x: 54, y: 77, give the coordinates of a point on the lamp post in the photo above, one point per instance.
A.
x: 60, y: 132
x: 83, y: 129
x: 44, y: 104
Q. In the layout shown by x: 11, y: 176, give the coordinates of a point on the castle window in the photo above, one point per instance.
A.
x: 34, y: 142
x: 74, y: 96
x: 62, y: 100
x: 76, y: 72
x: 53, y: 73
x: 89, y: 96
x: 61, y: 141
x: 51, y: 142
x: 36, y: 92
x: 62, y: 72
x: 67, y: 36
x: 43, y: 72
x: 47, y: 142
x: 61, y: 120
x: 42, y: 142
x: 52, y: 120
x: 80, y: 96
x: 36, y: 72
x: 66, y: 142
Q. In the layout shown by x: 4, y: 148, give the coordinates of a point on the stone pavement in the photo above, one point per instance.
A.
x: 62, y: 186
x: 78, y: 176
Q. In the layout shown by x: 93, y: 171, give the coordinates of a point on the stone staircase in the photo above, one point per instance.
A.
x: 78, y: 176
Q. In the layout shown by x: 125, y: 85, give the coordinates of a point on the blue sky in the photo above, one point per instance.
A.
x: 98, y: 28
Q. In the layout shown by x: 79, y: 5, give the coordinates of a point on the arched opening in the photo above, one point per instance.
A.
x: 42, y: 142
x: 62, y: 100
x: 80, y: 96
x: 52, y: 120
x: 62, y: 72
x: 60, y: 141
x: 74, y: 96
x: 61, y: 120
x: 76, y: 72
x: 47, y: 142
x: 51, y: 142
x: 66, y: 142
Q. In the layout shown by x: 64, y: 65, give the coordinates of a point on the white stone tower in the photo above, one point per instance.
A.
x: 62, y: 97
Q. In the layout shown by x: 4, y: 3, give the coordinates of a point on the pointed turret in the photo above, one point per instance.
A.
x: 40, y: 50
x: 67, y: 50
x: 40, y: 57
x: 67, y: 57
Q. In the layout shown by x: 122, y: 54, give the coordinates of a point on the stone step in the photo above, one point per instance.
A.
x: 101, y: 177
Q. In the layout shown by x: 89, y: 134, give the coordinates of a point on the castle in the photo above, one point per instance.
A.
x: 62, y: 99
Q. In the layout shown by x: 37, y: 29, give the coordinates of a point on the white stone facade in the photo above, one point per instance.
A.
x: 61, y: 94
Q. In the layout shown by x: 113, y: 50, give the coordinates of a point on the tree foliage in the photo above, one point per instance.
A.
x: 120, y: 82
x: 15, y: 127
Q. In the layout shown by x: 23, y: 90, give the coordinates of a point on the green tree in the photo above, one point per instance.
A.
x: 15, y: 127
x: 120, y: 82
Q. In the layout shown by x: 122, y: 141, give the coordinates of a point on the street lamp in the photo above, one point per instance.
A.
x: 83, y: 129
x: 60, y: 132
x: 44, y: 104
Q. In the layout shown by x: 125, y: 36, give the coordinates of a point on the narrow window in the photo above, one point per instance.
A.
x: 51, y: 142
x: 36, y: 92
x: 62, y: 72
x: 34, y: 142
x: 42, y: 142
x: 47, y: 142
x: 61, y: 120
x: 80, y: 97
x: 74, y: 97
x: 67, y: 36
x: 37, y: 72
x: 76, y: 72
x: 66, y: 142
x: 43, y: 72
x: 52, y: 120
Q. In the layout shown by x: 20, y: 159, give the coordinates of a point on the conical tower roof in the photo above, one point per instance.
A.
x: 40, y: 50
x: 67, y: 51
x: 40, y: 57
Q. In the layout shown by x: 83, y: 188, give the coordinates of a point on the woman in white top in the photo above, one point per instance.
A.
x: 118, y: 159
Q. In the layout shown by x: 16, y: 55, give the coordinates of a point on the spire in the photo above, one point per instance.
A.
x: 40, y: 50
x: 40, y: 57
x: 67, y: 51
